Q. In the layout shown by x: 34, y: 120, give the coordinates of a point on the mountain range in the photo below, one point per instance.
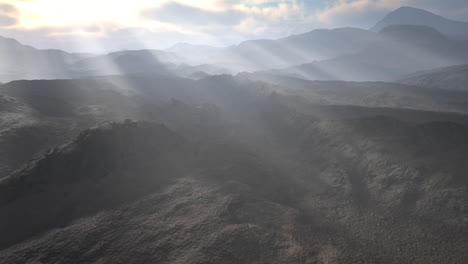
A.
x: 422, y: 43
x: 405, y: 49
x: 293, y: 50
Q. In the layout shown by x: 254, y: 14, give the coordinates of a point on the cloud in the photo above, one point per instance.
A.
x: 6, y: 21
x: 360, y: 13
x: 176, y: 13
x: 8, y: 15
x: 8, y: 9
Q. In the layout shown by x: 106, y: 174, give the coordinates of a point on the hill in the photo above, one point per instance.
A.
x: 420, y: 17
x: 449, y: 78
x: 140, y: 193
x: 405, y: 49
x: 293, y: 50
x: 24, y: 62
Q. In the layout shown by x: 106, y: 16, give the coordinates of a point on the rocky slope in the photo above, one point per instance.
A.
x: 242, y: 171
x: 449, y: 78
x: 364, y: 190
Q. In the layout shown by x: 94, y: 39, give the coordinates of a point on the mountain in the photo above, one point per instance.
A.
x: 404, y: 49
x: 362, y: 192
x: 366, y: 94
x: 121, y: 160
x: 39, y: 114
x: 196, y: 54
x: 449, y: 78
x: 343, y: 53
x: 125, y: 62
x: 324, y: 45
x: 231, y: 169
x: 25, y: 62
x: 415, y: 16
x: 141, y: 61
x: 284, y: 52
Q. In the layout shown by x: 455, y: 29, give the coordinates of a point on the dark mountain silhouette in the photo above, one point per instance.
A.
x: 420, y: 17
x: 449, y: 78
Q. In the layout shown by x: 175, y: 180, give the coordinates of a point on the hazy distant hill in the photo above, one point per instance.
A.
x: 141, y: 61
x: 325, y: 45
x: 404, y: 49
x: 125, y: 62
x: 368, y: 94
x: 292, y: 50
x: 415, y: 16
x: 25, y: 62
x: 449, y: 78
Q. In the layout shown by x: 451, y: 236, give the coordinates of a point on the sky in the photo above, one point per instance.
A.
x: 108, y: 25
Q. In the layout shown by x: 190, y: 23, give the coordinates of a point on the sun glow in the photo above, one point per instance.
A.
x: 158, y: 23
x: 66, y: 13
x: 59, y: 13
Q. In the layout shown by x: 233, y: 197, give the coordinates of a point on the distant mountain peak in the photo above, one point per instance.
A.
x: 10, y: 42
x: 414, y: 16
x: 411, y: 9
